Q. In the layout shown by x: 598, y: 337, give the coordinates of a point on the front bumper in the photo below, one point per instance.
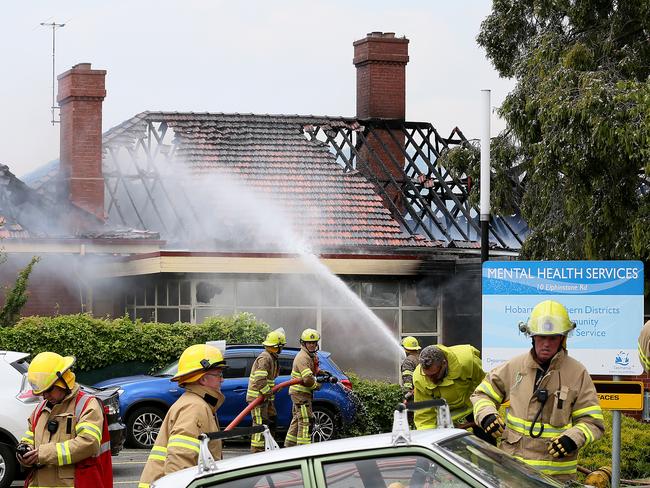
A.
x: 117, y: 431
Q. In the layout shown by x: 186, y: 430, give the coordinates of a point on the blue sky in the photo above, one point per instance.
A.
x: 280, y: 56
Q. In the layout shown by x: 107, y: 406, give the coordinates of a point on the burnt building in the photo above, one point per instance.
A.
x: 304, y: 221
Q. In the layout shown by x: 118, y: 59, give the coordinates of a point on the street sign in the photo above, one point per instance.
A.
x: 620, y: 395
x: 603, y: 298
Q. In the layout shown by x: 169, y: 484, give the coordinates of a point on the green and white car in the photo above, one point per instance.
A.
x: 442, y: 457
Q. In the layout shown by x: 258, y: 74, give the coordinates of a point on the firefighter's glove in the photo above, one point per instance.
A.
x: 562, y: 446
x: 408, y: 396
x: 326, y: 377
x: 493, y: 425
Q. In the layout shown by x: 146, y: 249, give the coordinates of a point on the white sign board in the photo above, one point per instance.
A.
x: 604, y: 299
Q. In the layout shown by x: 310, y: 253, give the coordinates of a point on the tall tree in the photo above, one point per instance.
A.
x: 578, y: 125
x: 16, y: 297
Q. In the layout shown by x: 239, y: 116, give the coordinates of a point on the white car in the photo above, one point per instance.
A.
x: 443, y: 457
x: 18, y: 402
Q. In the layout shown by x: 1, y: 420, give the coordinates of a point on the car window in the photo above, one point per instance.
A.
x: 389, y: 472
x: 495, y: 466
x: 237, y: 367
x: 291, y: 478
x: 286, y: 365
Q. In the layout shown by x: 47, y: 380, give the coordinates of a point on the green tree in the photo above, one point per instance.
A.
x: 16, y: 298
x: 577, y: 145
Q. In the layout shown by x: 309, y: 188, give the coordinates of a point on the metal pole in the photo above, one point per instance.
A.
x: 616, y: 444
x: 53, y: 25
x: 485, y: 175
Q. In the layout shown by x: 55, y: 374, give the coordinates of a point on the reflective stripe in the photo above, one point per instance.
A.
x: 408, y: 385
x: 407, y: 373
x: 90, y: 429
x: 159, y: 453
x: 143, y: 485
x: 552, y: 467
x: 306, y: 372
x: 592, y: 411
x: 523, y: 427
x: 303, y: 434
x: 184, y: 441
x: 589, y: 436
x: 260, y: 373
x: 482, y: 403
x: 645, y: 360
x: 486, y: 388
x: 28, y: 438
x: 105, y: 447
x: 300, y: 389
x: 252, y: 393
x: 63, y: 453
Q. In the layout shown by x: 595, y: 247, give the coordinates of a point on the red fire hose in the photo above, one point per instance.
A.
x: 259, y: 400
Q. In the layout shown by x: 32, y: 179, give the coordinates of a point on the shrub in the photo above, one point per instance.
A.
x: 97, y: 343
x: 375, y: 401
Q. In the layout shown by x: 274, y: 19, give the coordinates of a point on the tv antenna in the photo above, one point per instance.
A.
x: 54, y: 107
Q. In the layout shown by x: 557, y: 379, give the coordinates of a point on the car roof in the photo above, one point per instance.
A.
x: 259, y: 347
x: 13, y: 356
x: 424, y: 438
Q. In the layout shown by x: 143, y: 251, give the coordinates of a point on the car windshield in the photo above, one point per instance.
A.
x: 169, y: 370
x: 495, y: 466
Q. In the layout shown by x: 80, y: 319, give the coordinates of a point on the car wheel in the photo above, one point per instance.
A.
x: 143, y: 425
x: 324, y: 424
x: 8, y: 465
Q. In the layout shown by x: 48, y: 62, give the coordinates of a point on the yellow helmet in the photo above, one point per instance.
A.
x: 548, y: 318
x: 50, y: 369
x: 275, y: 338
x: 195, y: 361
x: 309, y: 335
x: 410, y: 343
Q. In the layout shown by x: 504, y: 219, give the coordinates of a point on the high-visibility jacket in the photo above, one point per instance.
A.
x: 572, y: 409
x: 644, y: 346
x: 264, y: 371
x: 177, y: 444
x: 78, y: 451
x: 408, y: 366
x: 304, y: 367
x: 464, y: 373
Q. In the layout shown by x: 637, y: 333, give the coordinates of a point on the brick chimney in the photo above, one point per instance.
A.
x: 380, y: 59
x: 81, y: 93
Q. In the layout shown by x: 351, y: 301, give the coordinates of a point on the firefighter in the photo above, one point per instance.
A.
x: 644, y: 346
x: 305, y: 366
x: 67, y: 442
x: 554, y: 408
x: 264, y: 371
x: 200, y: 372
x: 451, y: 373
x: 412, y: 351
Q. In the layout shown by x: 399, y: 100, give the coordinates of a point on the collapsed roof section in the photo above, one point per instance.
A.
x: 344, y: 182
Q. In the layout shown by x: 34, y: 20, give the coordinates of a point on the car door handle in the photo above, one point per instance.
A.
x: 239, y: 389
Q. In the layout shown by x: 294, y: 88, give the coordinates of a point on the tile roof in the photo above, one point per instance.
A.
x: 272, y: 155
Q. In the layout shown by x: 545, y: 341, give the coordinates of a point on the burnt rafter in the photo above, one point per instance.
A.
x: 400, y: 159
x: 429, y: 199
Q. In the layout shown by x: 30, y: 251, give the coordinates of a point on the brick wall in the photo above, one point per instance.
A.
x: 81, y: 93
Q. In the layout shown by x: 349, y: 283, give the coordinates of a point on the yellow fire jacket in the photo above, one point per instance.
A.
x: 304, y: 367
x: 572, y: 409
x: 77, y: 437
x: 408, y: 366
x: 177, y: 444
x: 464, y: 373
x: 644, y: 346
x: 264, y: 371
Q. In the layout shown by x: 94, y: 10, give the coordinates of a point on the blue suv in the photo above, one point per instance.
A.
x: 145, y: 399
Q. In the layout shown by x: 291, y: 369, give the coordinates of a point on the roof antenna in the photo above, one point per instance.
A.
x: 54, y: 107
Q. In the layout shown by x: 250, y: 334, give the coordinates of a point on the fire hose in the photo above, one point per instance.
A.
x: 259, y: 400
x: 321, y: 377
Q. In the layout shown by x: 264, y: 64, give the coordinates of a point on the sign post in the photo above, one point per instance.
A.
x: 603, y: 298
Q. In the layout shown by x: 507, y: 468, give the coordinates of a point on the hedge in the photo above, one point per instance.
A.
x: 97, y: 343
x: 377, y: 400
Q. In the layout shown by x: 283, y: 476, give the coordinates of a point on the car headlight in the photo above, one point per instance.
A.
x: 111, y: 409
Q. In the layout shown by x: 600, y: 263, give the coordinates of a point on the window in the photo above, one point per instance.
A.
x: 291, y: 478
x: 237, y: 367
x: 392, y: 472
x: 286, y: 365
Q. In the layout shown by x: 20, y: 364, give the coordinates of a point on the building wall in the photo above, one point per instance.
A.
x: 53, y: 286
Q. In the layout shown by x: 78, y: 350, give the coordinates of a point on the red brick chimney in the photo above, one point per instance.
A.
x: 380, y: 59
x: 81, y: 93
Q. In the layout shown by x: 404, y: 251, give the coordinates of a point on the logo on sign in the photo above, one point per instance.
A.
x: 622, y: 359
